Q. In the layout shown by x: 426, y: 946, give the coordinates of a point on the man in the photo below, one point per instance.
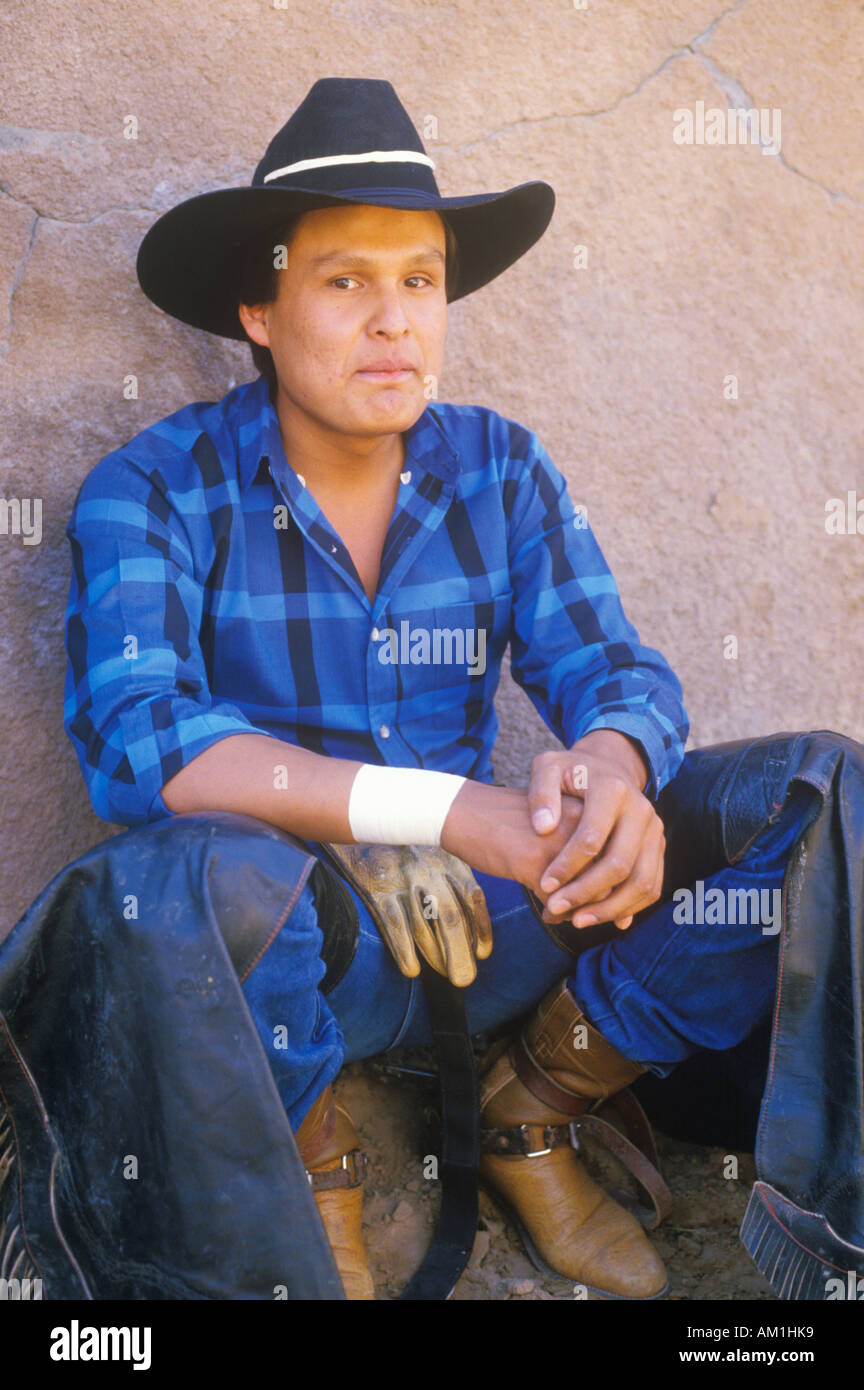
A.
x: 260, y: 589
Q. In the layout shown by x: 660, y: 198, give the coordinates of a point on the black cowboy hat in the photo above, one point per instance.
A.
x: 350, y: 141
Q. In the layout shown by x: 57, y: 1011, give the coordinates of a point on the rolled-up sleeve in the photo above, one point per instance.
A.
x: 137, y: 702
x: 573, y: 650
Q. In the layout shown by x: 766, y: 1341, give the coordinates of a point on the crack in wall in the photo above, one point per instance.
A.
x: 737, y: 97
x: 16, y: 281
x: 38, y: 217
x: 681, y: 52
x: 74, y: 221
x: 37, y: 139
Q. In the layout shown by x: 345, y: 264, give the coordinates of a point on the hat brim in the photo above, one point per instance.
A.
x: 189, y: 261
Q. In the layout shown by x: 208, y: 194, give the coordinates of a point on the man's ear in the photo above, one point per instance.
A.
x: 254, y: 319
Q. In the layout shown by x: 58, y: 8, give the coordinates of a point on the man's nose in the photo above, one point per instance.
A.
x: 388, y: 315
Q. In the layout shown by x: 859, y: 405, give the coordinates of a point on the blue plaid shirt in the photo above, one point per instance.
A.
x: 210, y: 596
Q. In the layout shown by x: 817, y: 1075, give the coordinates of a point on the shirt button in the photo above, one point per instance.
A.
x: 405, y: 477
x: 375, y: 634
x: 384, y: 731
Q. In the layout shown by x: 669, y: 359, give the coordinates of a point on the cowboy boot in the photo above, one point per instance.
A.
x: 528, y: 1097
x: 328, y: 1145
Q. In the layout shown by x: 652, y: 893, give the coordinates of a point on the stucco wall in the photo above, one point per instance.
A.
x: 701, y: 263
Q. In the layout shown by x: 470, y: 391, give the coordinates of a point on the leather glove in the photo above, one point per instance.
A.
x: 422, y: 899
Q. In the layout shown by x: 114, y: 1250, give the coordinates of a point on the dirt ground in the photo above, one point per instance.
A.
x: 396, y: 1119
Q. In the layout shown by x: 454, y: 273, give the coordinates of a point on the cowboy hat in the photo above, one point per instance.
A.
x: 349, y: 141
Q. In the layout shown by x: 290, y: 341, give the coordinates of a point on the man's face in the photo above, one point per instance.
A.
x: 361, y: 286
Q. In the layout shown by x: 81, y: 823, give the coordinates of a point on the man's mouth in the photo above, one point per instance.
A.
x: 388, y: 369
x: 397, y: 375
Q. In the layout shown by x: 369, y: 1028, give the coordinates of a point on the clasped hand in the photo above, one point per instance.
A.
x: 612, y: 864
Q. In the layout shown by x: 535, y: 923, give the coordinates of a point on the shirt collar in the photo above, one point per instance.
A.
x: 259, y: 437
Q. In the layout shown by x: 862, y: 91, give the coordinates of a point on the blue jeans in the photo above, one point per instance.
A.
x: 668, y: 986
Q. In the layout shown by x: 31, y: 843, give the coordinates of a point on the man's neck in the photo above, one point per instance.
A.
x: 328, y: 460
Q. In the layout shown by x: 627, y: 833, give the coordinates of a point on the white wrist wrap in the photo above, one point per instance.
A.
x: 400, y: 805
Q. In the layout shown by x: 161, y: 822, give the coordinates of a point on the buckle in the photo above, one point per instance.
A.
x: 350, y: 1173
x: 517, y: 1140
x: 357, y: 1166
x: 535, y: 1153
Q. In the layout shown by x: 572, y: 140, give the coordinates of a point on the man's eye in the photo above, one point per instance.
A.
x: 349, y: 279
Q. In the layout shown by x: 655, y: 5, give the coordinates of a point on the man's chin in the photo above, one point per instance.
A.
x: 363, y: 414
x: 387, y: 413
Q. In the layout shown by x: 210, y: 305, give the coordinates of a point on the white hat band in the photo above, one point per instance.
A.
x: 370, y: 157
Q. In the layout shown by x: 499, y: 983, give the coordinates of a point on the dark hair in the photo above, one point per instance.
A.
x: 258, y: 281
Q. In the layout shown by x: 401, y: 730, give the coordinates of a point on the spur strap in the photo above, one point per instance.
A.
x: 637, y: 1163
x: 638, y: 1153
x: 526, y: 1141
x: 350, y: 1174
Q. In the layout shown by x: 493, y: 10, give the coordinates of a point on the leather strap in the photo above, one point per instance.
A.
x: 636, y: 1122
x: 526, y: 1141
x: 541, y: 1085
x: 350, y: 1174
x: 453, y: 1241
x: 636, y: 1162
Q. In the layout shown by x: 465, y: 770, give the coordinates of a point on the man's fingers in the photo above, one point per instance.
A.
x: 642, y: 888
x: 623, y: 923
x: 601, y: 811
x: 544, y: 795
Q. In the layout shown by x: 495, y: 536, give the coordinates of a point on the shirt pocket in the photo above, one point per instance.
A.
x: 467, y: 640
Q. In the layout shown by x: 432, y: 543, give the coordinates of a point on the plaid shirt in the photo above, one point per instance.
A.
x: 210, y: 596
